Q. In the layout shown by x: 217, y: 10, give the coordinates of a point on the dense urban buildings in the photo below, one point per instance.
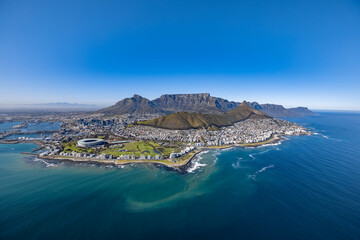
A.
x: 96, y: 137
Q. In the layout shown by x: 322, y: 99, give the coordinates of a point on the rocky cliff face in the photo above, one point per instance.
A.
x: 201, y: 103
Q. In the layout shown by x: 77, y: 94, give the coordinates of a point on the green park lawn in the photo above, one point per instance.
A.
x: 140, y: 148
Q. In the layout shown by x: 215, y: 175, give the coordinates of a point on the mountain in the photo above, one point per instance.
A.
x: 133, y: 105
x: 301, y: 111
x: 196, y: 103
x: 273, y: 110
x: 186, y: 120
x: 244, y: 111
x: 48, y: 107
x: 200, y: 103
x: 279, y: 111
x: 63, y: 105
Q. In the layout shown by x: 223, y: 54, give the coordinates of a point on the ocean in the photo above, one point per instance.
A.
x: 306, y: 187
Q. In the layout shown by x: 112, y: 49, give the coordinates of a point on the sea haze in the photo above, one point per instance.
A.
x: 306, y: 187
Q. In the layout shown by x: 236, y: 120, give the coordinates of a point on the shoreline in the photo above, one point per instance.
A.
x: 165, y: 162
x: 179, y: 164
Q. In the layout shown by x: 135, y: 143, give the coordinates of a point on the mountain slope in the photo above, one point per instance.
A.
x: 185, y: 120
x: 244, y: 111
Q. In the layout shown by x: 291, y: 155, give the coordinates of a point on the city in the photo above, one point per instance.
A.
x: 124, y: 142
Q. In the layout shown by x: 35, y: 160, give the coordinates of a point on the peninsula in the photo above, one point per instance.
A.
x: 172, y: 140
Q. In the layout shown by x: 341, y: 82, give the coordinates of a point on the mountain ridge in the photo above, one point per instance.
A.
x: 196, y: 103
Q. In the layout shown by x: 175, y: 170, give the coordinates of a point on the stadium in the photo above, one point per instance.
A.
x: 90, y: 142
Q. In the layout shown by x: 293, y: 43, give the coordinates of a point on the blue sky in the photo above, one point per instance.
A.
x: 295, y: 53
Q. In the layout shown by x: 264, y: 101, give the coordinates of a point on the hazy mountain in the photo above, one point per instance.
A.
x: 186, y: 120
x: 45, y: 107
x: 279, y: 111
x: 63, y: 105
x: 301, y: 111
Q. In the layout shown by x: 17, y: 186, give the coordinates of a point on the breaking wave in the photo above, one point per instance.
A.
x: 47, y: 164
x: 196, y: 164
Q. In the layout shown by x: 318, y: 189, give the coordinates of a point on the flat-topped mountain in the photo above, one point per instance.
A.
x: 195, y: 103
x: 186, y: 120
x: 200, y: 103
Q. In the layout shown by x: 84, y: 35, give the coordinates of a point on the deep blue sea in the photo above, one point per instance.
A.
x: 307, y: 187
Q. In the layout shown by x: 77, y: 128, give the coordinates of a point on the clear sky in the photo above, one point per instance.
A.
x: 295, y: 53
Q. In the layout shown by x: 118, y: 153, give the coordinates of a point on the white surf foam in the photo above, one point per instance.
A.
x: 264, y: 168
x: 47, y: 164
x: 253, y: 176
x: 330, y: 138
x: 263, y: 152
x: 252, y: 155
x: 324, y: 136
x: 273, y: 144
x: 203, y: 152
x: 195, y: 166
x: 237, y: 165
x: 226, y: 149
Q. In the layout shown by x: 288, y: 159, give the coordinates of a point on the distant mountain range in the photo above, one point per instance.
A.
x: 275, y: 110
x: 63, y: 105
x: 48, y: 107
x: 194, y: 103
x: 186, y: 120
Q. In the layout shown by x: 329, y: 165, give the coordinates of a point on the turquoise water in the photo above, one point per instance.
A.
x: 308, y: 187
